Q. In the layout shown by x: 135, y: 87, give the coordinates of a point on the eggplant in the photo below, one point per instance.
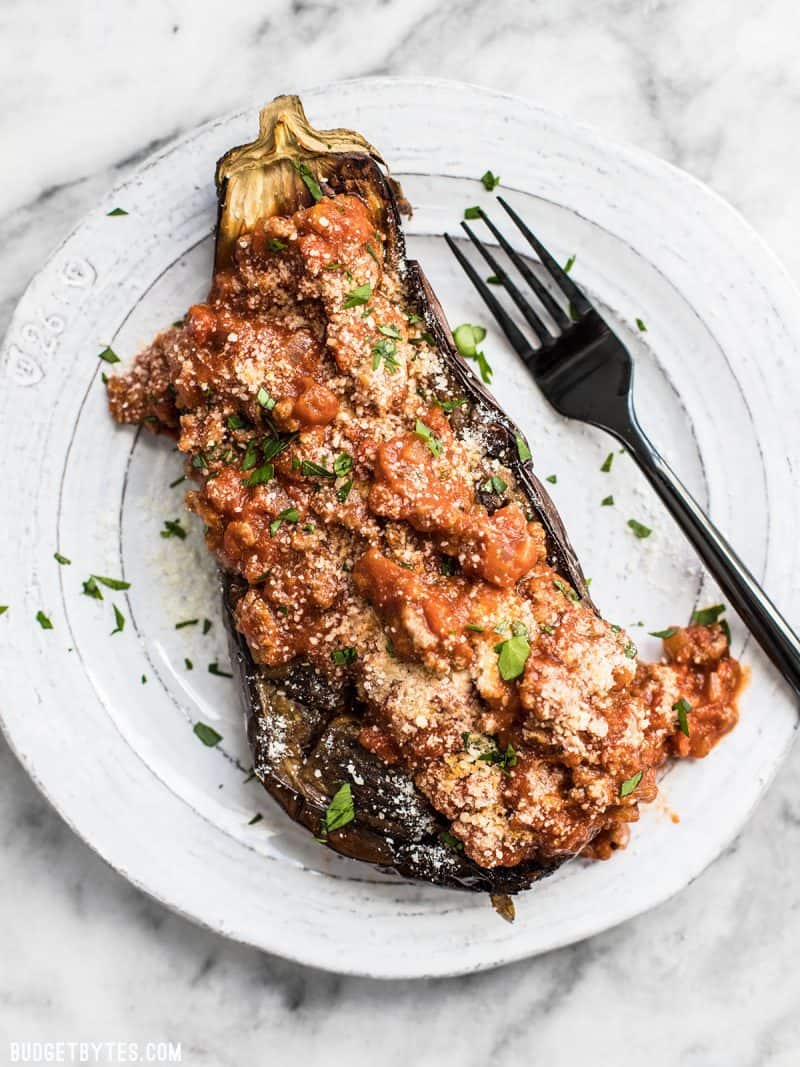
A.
x: 304, y: 733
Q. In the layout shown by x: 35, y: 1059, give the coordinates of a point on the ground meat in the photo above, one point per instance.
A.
x: 391, y: 551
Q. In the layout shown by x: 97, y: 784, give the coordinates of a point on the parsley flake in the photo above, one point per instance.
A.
x: 173, y: 528
x: 523, y: 451
x: 639, y: 529
x: 109, y: 355
x: 606, y: 467
x: 43, y: 621
x: 342, y: 656
x: 664, y: 634
x: 569, y: 264
x: 339, y: 812
x: 641, y: 326
x: 490, y: 181
x: 472, y: 213
x: 308, y: 178
x: 359, y: 295
x: 214, y: 668
x: 207, y: 734
x: 428, y: 436
x: 119, y: 619
x: 287, y: 515
x: 630, y: 784
x: 707, y: 616
x: 682, y: 707
x: 116, y: 212
x: 512, y: 656
x: 61, y: 559
x: 607, y: 502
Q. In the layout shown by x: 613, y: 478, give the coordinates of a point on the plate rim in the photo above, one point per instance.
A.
x: 577, y: 130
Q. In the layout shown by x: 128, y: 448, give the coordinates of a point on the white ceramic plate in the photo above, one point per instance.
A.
x: 716, y: 387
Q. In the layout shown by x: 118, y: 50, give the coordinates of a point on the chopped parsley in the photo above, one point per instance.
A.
x: 664, y: 634
x: 495, y: 484
x: 342, y: 656
x: 188, y: 664
x: 449, y: 405
x: 287, y: 515
x: 343, y: 464
x: 523, y: 451
x: 309, y: 469
x: 448, y: 566
x: 344, y: 491
x: 173, y: 528
x: 639, y: 529
x: 264, y: 399
x: 552, y: 478
x: 630, y: 650
x: 682, y: 707
x: 61, y: 559
x: 309, y: 180
x: 467, y: 338
x: 116, y: 212
x: 371, y: 251
x: 606, y: 467
x: 186, y: 622
x: 92, y: 589
x: 339, y: 812
x: 3, y: 609
x: 256, y: 818
x: 390, y: 330
x: 144, y: 679
x: 119, y: 619
x: 472, y: 213
x: 630, y: 784
x: 607, y: 502
x: 451, y: 841
x: 569, y: 264
x: 512, y: 656
x: 707, y: 616
x: 214, y: 668
x: 177, y: 481
x: 476, y: 629
x: 641, y: 325
x: 726, y: 629
x: 386, y: 351
x: 491, y: 753
x: 275, y: 244
x: 260, y: 476
x: 562, y: 587
x: 206, y: 625
x: 112, y: 583
x: 429, y: 437
x: 43, y: 620
x: 109, y: 355
x: 490, y: 181
x: 359, y: 295
x: 207, y: 734
x: 493, y: 279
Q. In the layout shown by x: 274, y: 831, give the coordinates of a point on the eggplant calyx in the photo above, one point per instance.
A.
x: 266, y: 177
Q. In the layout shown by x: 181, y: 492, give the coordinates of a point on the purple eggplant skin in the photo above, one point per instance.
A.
x: 303, y: 732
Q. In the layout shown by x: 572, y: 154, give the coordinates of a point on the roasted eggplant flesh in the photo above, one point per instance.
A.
x: 427, y: 685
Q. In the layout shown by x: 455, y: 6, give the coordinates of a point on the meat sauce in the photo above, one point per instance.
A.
x: 313, y: 410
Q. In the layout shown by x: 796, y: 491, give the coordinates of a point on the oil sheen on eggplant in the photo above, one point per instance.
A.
x: 395, y: 827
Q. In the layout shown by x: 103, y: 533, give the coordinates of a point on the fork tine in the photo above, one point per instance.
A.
x: 507, y: 324
x: 531, y: 317
x: 541, y: 291
x: 579, y: 302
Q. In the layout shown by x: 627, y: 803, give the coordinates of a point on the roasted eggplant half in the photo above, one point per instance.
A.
x: 426, y: 683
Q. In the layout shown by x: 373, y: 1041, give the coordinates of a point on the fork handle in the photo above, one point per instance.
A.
x: 756, y: 610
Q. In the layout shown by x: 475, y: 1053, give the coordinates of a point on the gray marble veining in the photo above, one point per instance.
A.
x: 707, y: 980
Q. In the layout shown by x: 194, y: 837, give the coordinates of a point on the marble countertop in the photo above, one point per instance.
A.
x: 707, y: 980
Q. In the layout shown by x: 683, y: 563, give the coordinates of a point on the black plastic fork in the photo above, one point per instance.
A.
x: 586, y: 373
